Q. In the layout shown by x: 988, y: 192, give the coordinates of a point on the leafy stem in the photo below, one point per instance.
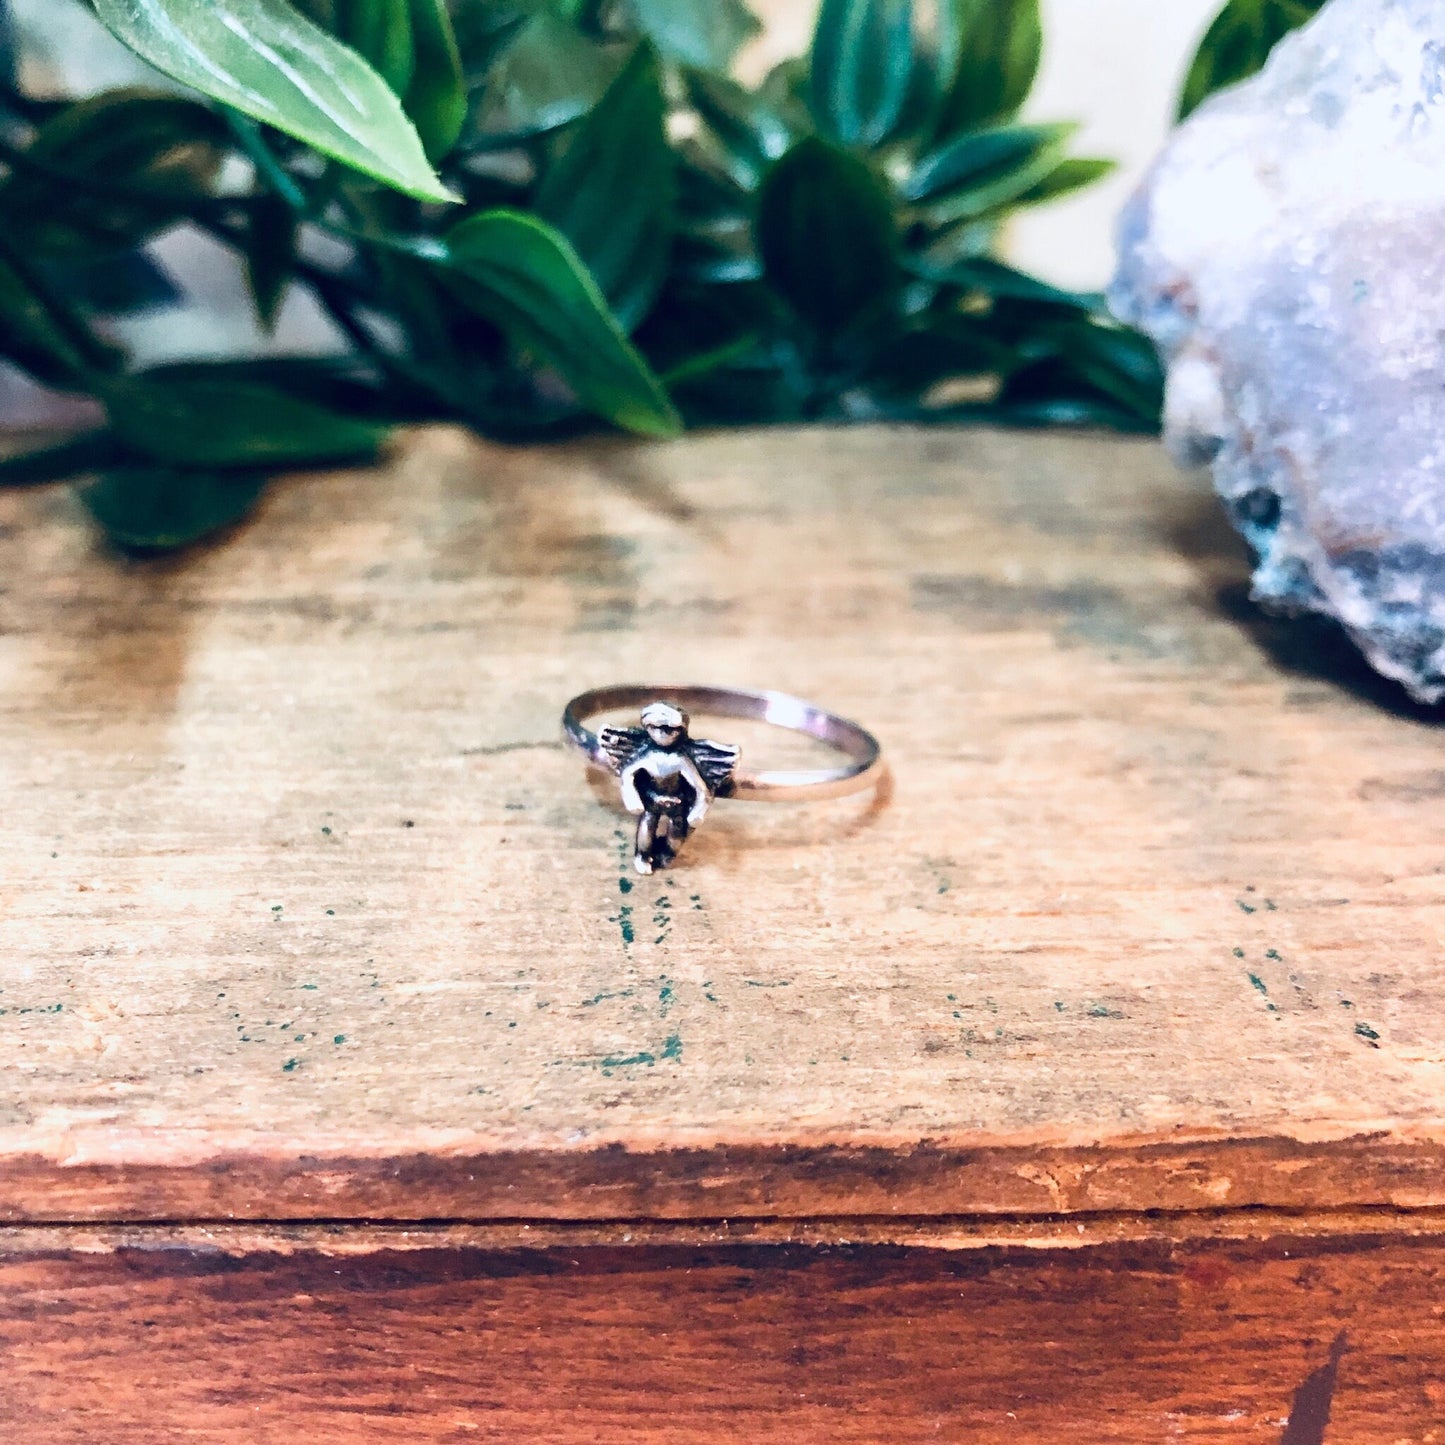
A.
x: 544, y: 216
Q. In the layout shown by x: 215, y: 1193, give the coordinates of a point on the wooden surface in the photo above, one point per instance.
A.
x: 414, y: 1341
x: 305, y: 914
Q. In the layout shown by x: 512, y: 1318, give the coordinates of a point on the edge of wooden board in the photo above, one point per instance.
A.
x: 945, y: 1232
x: 740, y: 1181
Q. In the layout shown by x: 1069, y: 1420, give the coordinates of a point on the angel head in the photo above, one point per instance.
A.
x: 665, y: 724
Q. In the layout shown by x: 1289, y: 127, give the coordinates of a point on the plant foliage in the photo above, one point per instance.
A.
x: 1238, y: 43
x: 528, y: 215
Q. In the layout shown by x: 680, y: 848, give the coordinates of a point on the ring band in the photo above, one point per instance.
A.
x: 669, y: 779
x: 777, y: 708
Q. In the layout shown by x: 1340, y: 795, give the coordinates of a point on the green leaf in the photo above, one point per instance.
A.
x: 860, y: 64
x: 964, y: 242
x: 786, y: 87
x: 155, y: 509
x: 611, y: 191
x: 1238, y: 43
x: 334, y: 383
x: 193, y: 420
x: 1083, y: 359
x: 702, y: 33
x: 42, y: 337
x: 322, y: 13
x: 1120, y: 363
x: 125, y: 283
x: 436, y: 99
x: 749, y: 133
x: 547, y: 75
x: 39, y: 465
x: 165, y: 146
x: 1069, y: 175
x: 826, y: 234
x: 483, y: 32
x: 524, y: 276
x: 989, y: 51
x: 976, y: 172
x: 699, y: 329
x: 267, y: 60
x: 379, y: 31
x: 940, y: 348
x: 270, y: 253
x: 716, y: 260
x: 994, y: 279
x: 704, y: 363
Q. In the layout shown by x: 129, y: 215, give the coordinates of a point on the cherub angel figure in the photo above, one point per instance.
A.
x: 669, y: 779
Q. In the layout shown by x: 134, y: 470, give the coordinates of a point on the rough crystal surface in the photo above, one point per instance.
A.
x: 1287, y: 254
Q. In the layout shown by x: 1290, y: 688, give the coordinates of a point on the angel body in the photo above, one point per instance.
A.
x: 668, y: 778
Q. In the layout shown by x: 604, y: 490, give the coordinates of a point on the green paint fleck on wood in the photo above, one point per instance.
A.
x: 623, y: 919
x: 1368, y: 1034
x: 289, y: 1065
x: 643, y: 1058
x: 601, y: 997
x: 1259, y: 984
x: 339, y: 1039
x: 626, y: 1061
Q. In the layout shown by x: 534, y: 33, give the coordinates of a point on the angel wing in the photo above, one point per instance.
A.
x: 715, y: 761
x: 620, y: 745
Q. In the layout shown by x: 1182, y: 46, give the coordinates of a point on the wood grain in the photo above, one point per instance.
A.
x: 1141, y: 1342
x: 304, y: 913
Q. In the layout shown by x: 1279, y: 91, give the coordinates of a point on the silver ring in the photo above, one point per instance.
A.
x: 669, y: 779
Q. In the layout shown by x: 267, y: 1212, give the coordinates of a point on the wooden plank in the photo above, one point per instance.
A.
x: 1136, y: 1342
x: 303, y: 912
x: 1246, y: 1227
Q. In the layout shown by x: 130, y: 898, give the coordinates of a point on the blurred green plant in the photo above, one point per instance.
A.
x: 1238, y: 43
x: 526, y: 215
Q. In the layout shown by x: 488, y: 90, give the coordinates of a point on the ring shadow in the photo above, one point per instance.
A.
x: 1303, y: 645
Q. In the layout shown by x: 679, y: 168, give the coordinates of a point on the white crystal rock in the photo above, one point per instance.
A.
x: 1287, y: 254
